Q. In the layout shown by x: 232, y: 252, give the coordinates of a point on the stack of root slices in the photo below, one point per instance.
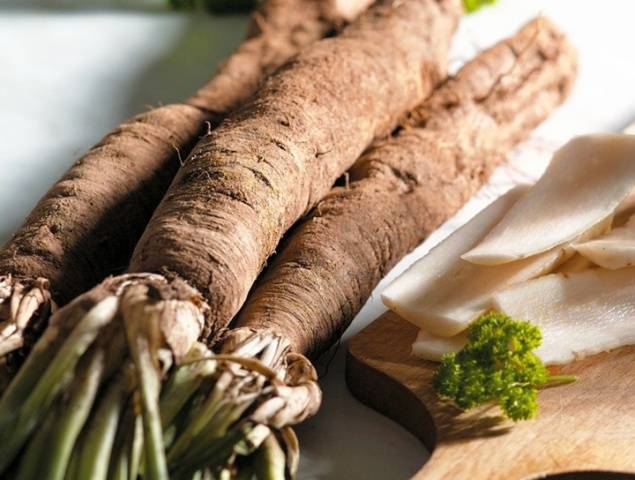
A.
x: 559, y: 253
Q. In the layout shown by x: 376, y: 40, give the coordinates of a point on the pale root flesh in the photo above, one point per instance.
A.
x: 442, y: 294
x: 579, y: 314
x: 576, y: 263
x: 613, y: 250
x: 432, y: 347
x: 584, y: 184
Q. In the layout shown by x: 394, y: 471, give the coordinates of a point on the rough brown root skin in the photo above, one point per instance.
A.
x: 249, y: 180
x: 279, y: 30
x: 87, y: 225
x: 403, y: 189
x: 286, y: 382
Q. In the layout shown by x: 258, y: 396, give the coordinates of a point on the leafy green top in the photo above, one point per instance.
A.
x: 474, y: 5
x: 497, y: 365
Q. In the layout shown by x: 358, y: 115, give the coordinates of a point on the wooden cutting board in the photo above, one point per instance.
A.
x: 583, y: 430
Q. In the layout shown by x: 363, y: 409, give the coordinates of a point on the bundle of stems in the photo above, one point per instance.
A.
x: 118, y: 383
x: 74, y: 237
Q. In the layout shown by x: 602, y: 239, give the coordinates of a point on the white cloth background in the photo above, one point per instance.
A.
x: 69, y: 75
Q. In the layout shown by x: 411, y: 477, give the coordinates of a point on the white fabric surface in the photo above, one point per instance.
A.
x: 67, y: 76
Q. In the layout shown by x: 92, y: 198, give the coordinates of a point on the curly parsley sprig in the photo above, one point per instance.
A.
x: 497, y: 365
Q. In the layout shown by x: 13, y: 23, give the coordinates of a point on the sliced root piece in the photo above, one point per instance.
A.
x: 584, y: 184
x: 432, y: 347
x: 443, y: 294
x: 614, y: 250
x: 576, y: 263
x: 579, y: 314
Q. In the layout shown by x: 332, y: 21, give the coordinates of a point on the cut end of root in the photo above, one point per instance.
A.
x: 99, y: 356
x: 288, y: 388
x: 246, y: 399
x: 25, y: 306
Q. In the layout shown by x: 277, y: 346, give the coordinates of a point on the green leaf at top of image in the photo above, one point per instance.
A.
x: 474, y: 5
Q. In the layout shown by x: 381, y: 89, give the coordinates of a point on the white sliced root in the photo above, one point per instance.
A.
x: 579, y: 314
x: 432, y: 347
x: 443, y: 294
x: 576, y: 263
x: 614, y: 250
x: 584, y: 184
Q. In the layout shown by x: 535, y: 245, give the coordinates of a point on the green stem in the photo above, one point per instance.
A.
x: 98, y: 443
x: 37, y: 361
x: 215, y: 429
x: 555, y: 380
x: 197, y: 422
x: 136, y: 449
x: 218, y: 451
x: 270, y: 460
x: 292, y: 450
x: 149, y: 380
x: 245, y: 470
x: 72, y: 419
x: 16, y: 424
x: 73, y: 464
x: 120, y: 460
x: 30, y: 465
x: 180, y: 387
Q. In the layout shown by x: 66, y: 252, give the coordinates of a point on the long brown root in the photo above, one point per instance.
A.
x: 403, y: 189
x: 250, y: 179
x: 279, y: 30
x: 87, y: 225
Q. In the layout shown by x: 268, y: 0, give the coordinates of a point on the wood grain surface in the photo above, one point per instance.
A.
x: 583, y: 430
